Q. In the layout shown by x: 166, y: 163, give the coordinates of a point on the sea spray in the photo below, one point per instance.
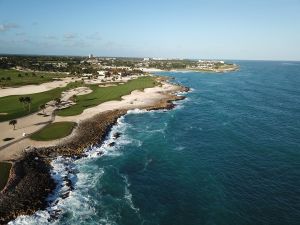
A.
x: 69, y: 179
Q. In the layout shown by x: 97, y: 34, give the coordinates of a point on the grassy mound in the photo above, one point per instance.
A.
x: 14, y: 78
x: 104, y: 94
x: 11, y: 108
x: 54, y: 131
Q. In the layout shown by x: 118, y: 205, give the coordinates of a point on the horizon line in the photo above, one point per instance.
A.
x: 141, y: 57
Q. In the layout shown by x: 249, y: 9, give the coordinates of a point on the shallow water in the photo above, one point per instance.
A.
x: 228, y: 154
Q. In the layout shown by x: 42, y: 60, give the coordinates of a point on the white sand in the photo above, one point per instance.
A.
x: 149, y: 70
x: 32, y: 123
x: 31, y: 89
x: 29, y: 124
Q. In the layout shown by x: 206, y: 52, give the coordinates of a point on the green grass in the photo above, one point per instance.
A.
x: 54, y: 131
x: 13, y: 109
x: 103, y: 94
x: 4, y: 173
x: 18, y: 78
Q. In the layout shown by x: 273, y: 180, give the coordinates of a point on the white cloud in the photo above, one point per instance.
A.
x: 69, y: 36
x: 50, y: 37
x: 8, y: 26
x: 95, y: 36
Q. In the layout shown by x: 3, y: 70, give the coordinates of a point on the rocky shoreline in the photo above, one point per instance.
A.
x: 31, y: 183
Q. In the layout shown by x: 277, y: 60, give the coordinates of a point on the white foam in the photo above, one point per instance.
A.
x: 66, y: 169
x: 179, y: 148
x: 128, y: 195
x: 137, y: 111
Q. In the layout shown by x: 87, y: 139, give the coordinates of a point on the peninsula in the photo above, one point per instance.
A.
x: 59, y: 106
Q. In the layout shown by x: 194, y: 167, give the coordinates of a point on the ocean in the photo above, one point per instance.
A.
x: 227, y: 154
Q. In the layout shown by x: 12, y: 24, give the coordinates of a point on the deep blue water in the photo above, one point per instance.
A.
x: 228, y: 154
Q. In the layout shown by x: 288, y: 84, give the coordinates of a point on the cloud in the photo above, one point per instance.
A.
x: 21, y: 34
x: 8, y: 26
x: 69, y: 36
x: 50, y: 37
x: 77, y: 43
x: 95, y: 36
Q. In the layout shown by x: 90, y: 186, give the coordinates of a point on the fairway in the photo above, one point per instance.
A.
x: 15, y: 78
x: 54, y: 131
x: 104, y: 94
x: 11, y: 108
x: 4, y: 173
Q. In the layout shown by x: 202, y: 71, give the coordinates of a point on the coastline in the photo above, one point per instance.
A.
x: 89, y: 132
x: 233, y: 68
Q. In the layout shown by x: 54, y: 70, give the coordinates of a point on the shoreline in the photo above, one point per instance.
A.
x: 89, y: 132
x: 233, y: 68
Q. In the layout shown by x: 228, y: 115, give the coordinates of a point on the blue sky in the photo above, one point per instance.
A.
x: 227, y: 29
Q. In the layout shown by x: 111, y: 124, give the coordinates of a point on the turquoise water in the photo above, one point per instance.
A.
x: 228, y: 154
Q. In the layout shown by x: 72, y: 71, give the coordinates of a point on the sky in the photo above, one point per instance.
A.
x: 199, y: 29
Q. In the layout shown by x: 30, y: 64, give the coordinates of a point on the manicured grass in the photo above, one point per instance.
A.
x: 11, y: 108
x: 103, y: 94
x: 18, y: 78
x: 54, y: 131
x: 4, y: 173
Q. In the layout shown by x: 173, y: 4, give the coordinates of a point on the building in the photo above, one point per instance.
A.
x: 91, y: 56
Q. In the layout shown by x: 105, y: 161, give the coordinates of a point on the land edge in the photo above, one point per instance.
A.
x: 30, y: 182
x: 233, y: 68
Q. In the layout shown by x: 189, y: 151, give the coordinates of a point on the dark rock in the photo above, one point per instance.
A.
x: 117, y: 135
x: 112, y: 144
x: 30, y: 182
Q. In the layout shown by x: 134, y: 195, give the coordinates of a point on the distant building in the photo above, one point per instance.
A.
x: 91, y: 56
x: 146, y: 59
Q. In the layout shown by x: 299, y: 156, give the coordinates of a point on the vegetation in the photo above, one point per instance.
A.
x: 43, y: 107
x: 54, y: 131
x: 13, y: 123
x: 12, y: 108
x: 14, y: 78
x: 4, y: 173
x: 103, y: 94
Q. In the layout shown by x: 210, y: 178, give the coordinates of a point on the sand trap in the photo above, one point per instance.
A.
x: 34, y: 122
x: 66, y: 95
x: 137, y: 99
x: 106, y: 85
x: 32, y: 89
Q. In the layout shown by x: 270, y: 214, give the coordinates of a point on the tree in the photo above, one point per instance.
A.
x: 13, y: 123
x: 57, y: 101
x: 74, y: 98
x: 22, y: 100
x: 43, y: 107
x: 28, y: 101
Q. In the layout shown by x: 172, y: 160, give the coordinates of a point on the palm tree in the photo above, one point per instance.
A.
x: 57, y: 101
x: 43, y: 107
x: 13, y: 123
x: 74, y: 98
x: 28, y: 100
x: 22, y: 100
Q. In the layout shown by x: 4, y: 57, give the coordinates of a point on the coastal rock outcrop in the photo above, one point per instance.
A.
x: 31, y: 182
